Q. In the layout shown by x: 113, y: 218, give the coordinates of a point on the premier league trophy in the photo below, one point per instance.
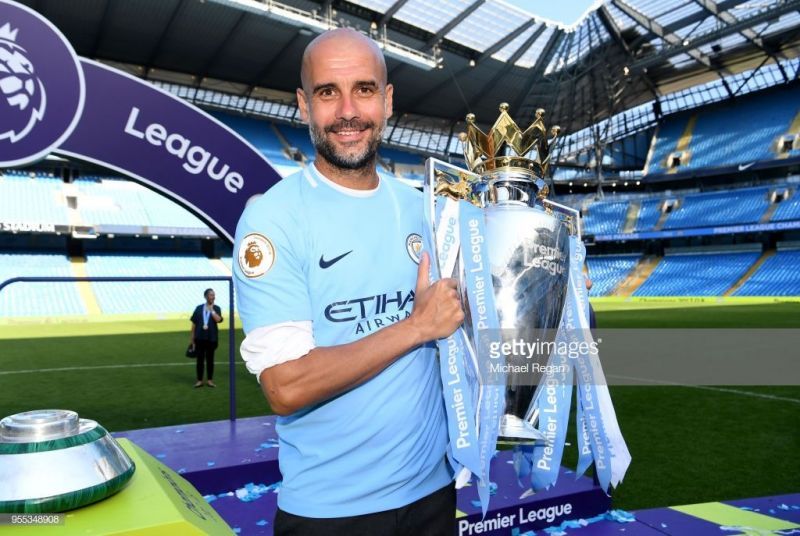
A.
x: 518, y: 258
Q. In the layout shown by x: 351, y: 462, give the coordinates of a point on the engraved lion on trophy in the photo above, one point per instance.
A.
x: 253, y: 256
x: 22, y: 96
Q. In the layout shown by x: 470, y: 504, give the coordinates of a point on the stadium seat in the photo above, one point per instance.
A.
x: 605, y: 218
x: 720, y: 208
x: 38, y: 299
x: 698, y: 274
x: 154, y: 297
x: 788, y: 209
x: 778, y: 276
x: 608, y: 271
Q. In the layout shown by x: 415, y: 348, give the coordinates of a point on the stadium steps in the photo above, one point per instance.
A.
x: 637, y: 276
x: 287, y: 146
x: 632, y: 217
x: 85, y: 290
x: 767, y: 216
x: 222, y: 266
x: 794, y: 128
x: 664, y: 215
x: 73, y: 214
x: 684, y: 140
x: 753, y: 269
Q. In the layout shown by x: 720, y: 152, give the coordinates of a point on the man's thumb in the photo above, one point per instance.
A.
x: 422, y: 273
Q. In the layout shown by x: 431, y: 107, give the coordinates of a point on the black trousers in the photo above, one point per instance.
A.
x: 205, y: 356
x: 434, y: 515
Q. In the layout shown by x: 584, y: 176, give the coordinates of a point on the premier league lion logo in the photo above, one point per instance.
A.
x: 253, y: 255
x: 22, y: 96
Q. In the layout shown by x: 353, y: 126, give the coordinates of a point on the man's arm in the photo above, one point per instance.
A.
x: 327, y: 371
x: 217, y: 317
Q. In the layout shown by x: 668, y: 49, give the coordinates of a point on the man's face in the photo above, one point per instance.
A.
x: 345, y: 102
x: 210, y: 297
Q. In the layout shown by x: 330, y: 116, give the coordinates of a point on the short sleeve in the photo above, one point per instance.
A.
x: 269, y: 275
x: 193, y: 318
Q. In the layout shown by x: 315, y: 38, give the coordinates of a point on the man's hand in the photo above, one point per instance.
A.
x: 437, y: 307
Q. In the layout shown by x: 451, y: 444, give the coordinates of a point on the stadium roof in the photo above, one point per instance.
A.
x: 449, y: 57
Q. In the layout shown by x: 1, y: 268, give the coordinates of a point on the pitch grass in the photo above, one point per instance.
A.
x: 689, y: 445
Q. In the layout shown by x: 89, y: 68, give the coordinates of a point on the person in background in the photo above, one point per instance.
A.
x: 205, y: 335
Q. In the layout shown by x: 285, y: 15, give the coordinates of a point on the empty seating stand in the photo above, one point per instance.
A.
x: 605, y: 218
x: 720, y: 208
x: 697, y: 274
x: 779, y: 275
x: 38, y: 299
x: 719, y: 138
x: 608, y: 271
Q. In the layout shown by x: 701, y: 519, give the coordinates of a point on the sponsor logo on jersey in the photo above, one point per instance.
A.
x: 256, y: 255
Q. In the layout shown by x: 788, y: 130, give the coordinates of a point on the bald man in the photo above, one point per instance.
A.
x: 340, y: 318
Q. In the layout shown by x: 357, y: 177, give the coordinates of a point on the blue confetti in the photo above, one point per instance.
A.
x: 181, y: 470
x: 210, y: 498
x: 492, y: 488
x: 178, y: 431
x: 262, y: 523
x: 663, y: 525
x: 772, y: 511
x: 746, y: 507
x: 211, y: 464
x: 237, y: 530
x: 161, y: 456
x: 476, y: 504
x: 783, y: 506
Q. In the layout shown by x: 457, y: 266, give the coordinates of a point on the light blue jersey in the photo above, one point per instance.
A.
x: 309, y: 250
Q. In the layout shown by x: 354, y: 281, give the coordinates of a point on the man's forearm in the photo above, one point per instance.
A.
x: 328, y: 371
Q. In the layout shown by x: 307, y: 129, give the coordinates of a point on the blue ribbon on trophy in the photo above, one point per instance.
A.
x: 518, y: 257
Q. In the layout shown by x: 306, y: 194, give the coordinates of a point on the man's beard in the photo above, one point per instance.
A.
x: 327, y: 150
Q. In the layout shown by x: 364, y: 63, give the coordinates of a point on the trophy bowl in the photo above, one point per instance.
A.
x: 53, y: 461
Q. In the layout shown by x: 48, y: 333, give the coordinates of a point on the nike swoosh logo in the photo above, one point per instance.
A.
x: 742, y: 167
x: 327, y: 264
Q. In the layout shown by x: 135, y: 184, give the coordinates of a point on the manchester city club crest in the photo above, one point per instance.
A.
x: 414, y: 246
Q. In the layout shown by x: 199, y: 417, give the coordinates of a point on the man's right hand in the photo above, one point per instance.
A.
x: 437, y: 307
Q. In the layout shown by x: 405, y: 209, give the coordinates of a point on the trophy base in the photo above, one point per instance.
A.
x: 516, y: 431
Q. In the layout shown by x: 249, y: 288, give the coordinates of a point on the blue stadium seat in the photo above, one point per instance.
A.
x: 720, y: 208
x: 401, y: 157
x: 119, y: 202
x: 298, y: 138
x: 605, y: 218
x: 38, y: 299
x: 697, y: 274
x: 32, y: 200
x: 721, y: 138
x: 778, y: 276
x: 649, y: 214
x: 154, y: 297
x: 608, y: 271
x: 788, y: 209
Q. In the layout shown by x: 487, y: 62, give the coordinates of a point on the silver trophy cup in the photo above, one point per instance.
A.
x: 527, y: 240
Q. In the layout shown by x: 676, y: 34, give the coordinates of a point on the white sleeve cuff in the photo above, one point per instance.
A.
x: 268, y: 346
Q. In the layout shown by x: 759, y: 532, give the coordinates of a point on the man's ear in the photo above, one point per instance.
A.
x: 388, y: 105
x: 302, y: 103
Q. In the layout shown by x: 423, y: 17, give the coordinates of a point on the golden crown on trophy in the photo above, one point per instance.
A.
x: 486, y: 152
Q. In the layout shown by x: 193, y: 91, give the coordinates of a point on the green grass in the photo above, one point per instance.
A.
x: 688, y: 445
